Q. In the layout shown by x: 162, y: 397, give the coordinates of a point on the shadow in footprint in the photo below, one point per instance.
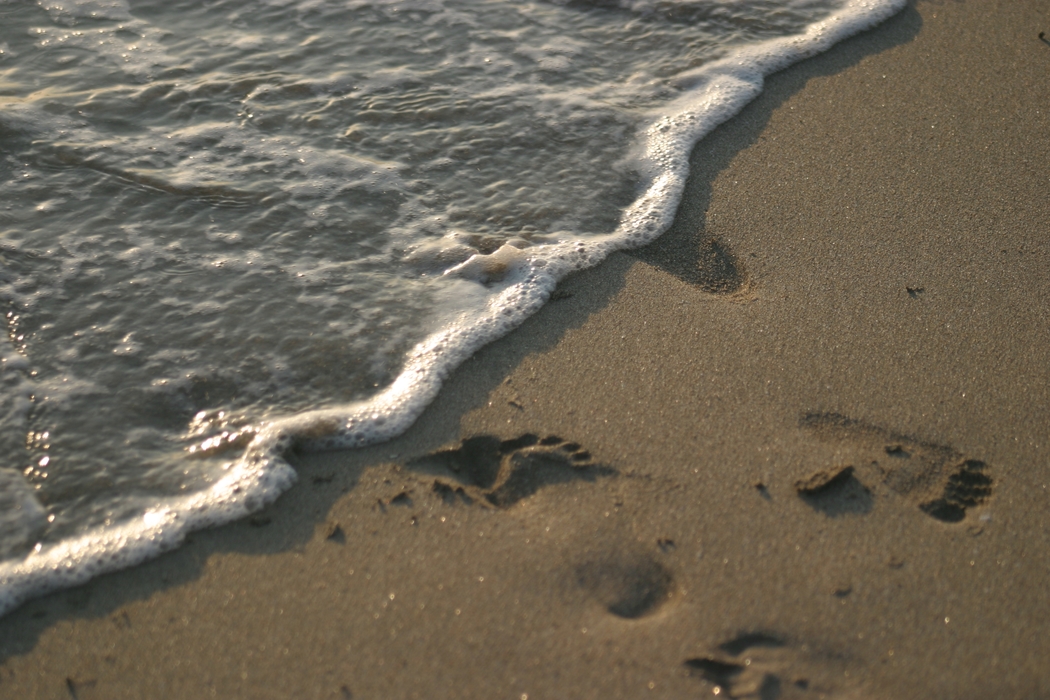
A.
x: 475, y: 461
x: 750, y: 640
x: 835, y: 492
x: 721, y: 673
x: 629, y: 586
x: 967, y: 486
x: 505, y: 472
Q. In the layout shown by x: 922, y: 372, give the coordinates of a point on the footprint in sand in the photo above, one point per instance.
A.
x: 747, y: 666
x: 765, y: 666
x: 944, y: 483
x: 502, y: 473
x: 630, y: 585
x: 698, y: 259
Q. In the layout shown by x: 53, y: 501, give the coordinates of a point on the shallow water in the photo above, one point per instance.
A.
x: 247, y: 224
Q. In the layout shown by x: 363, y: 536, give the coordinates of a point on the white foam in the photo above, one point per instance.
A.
x: 520, y: 282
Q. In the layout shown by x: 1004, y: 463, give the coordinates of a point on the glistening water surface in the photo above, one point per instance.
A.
x: 228, y: 226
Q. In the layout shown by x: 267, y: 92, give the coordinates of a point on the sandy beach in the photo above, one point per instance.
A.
x: 797, y: 448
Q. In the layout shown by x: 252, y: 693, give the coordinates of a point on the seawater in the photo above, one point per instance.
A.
x: 231, y: 227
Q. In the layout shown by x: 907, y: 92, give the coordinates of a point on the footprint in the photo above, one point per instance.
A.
x: 760, y: 665
x: 747, y: 666
x: 700, y: 260
x: 940, y: 480
x: 502, y: 473
x: 628, y: 585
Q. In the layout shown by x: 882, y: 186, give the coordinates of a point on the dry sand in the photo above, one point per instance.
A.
x: 799, y: 447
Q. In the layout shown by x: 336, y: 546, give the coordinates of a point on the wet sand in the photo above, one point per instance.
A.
x: 798, y: 448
